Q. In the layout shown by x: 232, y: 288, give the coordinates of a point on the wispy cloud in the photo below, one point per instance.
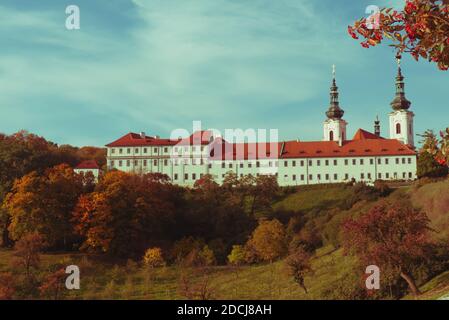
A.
x: 227, y: 63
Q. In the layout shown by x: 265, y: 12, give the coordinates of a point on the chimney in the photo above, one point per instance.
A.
x: 377, y: 127
x: 142, y: 135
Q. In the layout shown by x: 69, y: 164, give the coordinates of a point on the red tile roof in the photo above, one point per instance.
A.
x: 350, y: 148
x: 242, y: 151
x: 363, y: 143
x: 136, y: 140
x: 203, y: 137
x: 364, y: 135
x: 88, y: 164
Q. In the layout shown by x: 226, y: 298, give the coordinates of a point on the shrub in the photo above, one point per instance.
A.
x: 298, y: 263
x: 27, y: 252
x: 429, y: 167
x: 7, y: 286
x: 153, y: 258
x: 207, y: 256
x: 237, y: 255
x: 199, y: 258
x: 268, y: 240
x: 53, y: 284
x: 182, y: 248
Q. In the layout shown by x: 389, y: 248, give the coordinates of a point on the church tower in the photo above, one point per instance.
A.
x: 401, y: 119
x: 334, y: 126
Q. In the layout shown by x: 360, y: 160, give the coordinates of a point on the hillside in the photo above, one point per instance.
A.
x: 314, y: 198
x: 334, y: 275
x: 435, y: 289
x: 104, y: 280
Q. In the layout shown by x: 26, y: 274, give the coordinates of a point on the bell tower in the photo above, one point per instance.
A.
x: 401, y: 119
x: 334, y: 125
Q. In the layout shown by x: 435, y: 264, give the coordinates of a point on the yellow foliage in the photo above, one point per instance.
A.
x: 153, y: 258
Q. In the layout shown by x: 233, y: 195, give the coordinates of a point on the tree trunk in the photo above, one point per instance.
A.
x: 6, y: 240
x: 411, y: 284
x: 253, y: 206
x: 304, y: 288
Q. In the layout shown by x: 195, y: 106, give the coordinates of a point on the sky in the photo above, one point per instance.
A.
x: 158, y: 65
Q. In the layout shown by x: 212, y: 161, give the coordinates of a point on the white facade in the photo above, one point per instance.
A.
x: 335, y: 130
x: 191, y: 166
x: 401, y: 126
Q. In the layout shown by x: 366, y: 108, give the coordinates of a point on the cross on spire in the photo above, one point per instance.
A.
x: 334, y: 111
x: 400, y: 102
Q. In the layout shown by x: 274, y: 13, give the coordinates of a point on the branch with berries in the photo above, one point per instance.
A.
x: 421, y: 29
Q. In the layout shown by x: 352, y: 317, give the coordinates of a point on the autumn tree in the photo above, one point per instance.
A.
x: 268, y: 240
x: 433, y: 157
x: 428, y: 166
x: 53, y: 284
x: 298, y: 263
x: 207, y: 256
x: 200, y: 289
x: 27, y: 252
x: 127, y: 213
x: 7, y: 286
x: 20, y: 154
x: 153, y: 258
x: 263, y: 193
x: 393, y: 236
x: 217, y: 213
x: 421, y: 29
x: 444, y: 147
x: 43, y: 204
x: 237, y: 255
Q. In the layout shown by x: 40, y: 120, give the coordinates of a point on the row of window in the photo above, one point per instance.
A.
x: 318, y: 177
x: 136, y: 150
x: 156, y: 150
x: 230, y: 165
x: 363, y: 176
x: 346, y: 162
x: 165, y: 162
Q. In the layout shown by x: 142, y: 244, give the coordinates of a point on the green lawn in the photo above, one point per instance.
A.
x: 305, y: 200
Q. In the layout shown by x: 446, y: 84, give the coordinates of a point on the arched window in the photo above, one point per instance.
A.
x: 398, y: 128
x: 331, y: 136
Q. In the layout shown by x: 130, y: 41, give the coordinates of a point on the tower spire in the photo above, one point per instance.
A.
x: 377, y: 126
x: 334, y: 111
x: 400, y: 102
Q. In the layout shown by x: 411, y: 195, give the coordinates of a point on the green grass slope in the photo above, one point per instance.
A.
x: 103, y: 280
x: 437, y: 288
x: 308, y: 199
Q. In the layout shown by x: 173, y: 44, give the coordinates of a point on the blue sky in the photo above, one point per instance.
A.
x: 158, y: 65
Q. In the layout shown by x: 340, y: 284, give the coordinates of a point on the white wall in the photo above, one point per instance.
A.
x: 405, y: 119
x: 337, y: 126
x: 312, y: 170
